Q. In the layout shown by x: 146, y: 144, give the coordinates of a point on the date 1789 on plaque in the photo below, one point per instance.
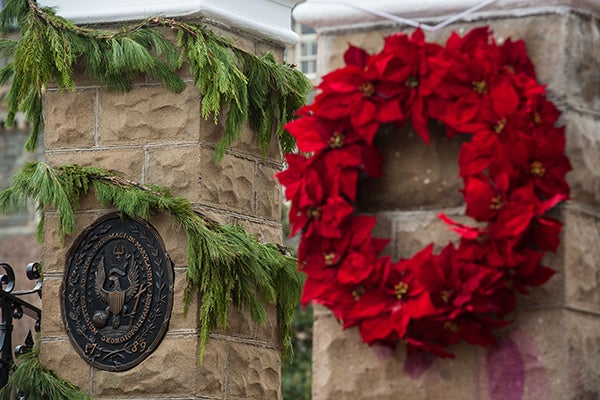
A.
x: 117, y: 292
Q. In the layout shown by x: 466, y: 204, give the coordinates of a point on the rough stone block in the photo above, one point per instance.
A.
x: 211, y: 376
x: 346, y: 368
x: 333, y: 45
x: 176, y: 167
x: 241, y: 41
x: 583, y: 150
x: 265, y: 47
x: 581, y: 254
x: 173, y: 236
x: 269, y: 331
x: 89, y: 202
x: 541, y: 359
x: 584, y: 354
x: 180, y: 320
x: 154, y: 115
x: 245, y: 144
x: 582, y: 53
x: 239, y: 324
x: 268, y: 193
x: 209, y: 214
x: 417, y: 176
x: 125, y: 162
x: 264, y: 233
x: 55, y: 251
x: 69, y: 119
x: 229, y: 183
x: 254, y: 372
x: 414, y: 230
x: 52, y: 321
x: 170, y: 370
x: 60, y: 356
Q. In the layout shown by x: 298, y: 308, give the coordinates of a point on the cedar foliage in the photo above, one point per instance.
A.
x: 226, y: 264
x: 31, y: 380
x: 229, y: 79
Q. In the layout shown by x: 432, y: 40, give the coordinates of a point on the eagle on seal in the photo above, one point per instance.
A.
x: 115, y: 297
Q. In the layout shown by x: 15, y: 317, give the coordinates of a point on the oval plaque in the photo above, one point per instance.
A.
x: 117, y: 292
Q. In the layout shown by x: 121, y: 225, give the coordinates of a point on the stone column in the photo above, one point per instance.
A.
x: 555, y: 337
x: 151, y: 135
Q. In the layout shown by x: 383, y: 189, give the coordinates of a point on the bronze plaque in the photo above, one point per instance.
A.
x: 117, y: 292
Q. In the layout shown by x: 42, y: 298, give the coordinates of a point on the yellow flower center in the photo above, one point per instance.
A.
x: 537, y: 169
x: 314, y: 213
x: 412, y: 82
x: 496, y: 203
x: 499, y: 127
x: 336, y: 140
x: 480, y: 87
x: 537, y: 118
x: 367, y: 88
x: 445, y: 295
x: 329, y: 258
x: 401, y: 289
x: 451, y: 326
x: 357, y: 293
x: 482, y: 238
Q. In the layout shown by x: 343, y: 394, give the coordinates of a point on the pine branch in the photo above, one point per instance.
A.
x: 31, y: 380
x: 230, y: 79
x: 226, y: 265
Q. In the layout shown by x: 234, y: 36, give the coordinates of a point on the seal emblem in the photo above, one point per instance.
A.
x: 117, y: 292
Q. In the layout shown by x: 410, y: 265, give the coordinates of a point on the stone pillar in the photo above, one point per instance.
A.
x: 151, y: 135
x: 556, y: 331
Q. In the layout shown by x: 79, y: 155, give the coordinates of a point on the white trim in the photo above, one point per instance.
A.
x: 266, y: 19
x: 324, y: 14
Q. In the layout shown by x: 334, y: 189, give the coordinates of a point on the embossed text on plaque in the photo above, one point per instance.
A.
x: 117, y: 292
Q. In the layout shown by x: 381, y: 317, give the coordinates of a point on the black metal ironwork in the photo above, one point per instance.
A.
x: 13, y: 307
x: 117, y: 292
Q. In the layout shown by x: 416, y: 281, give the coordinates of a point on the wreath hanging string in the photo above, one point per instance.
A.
x: 513, y: 171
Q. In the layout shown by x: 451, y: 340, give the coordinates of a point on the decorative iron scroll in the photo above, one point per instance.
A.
x: 14, y: 307
x: 117, y: 292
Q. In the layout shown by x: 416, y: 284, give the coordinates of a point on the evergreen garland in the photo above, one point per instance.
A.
x: 229, y: 78
x: 226, y: 264
x: 31, y: 380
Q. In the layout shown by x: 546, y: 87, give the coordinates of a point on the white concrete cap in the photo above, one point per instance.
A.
x: 267, y: 19
x: 322, y: 14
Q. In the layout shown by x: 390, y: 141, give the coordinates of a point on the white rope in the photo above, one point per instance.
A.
x: 406, y: 21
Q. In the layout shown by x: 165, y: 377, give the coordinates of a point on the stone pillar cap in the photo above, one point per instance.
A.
x: 322, y: 14
x: 266, y: 19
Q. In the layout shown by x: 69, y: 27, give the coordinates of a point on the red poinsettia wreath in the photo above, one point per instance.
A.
x: 513, y: 170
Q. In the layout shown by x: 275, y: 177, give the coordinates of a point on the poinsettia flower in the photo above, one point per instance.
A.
x: 410, y: 69
x: 545, y: 233
x: 542, y: 112
x: 314, y: 133
x: 513, y: 55
x: 547, y: 164
x: 531, y: 272
x: 337, y: 297
x: 291, y: 177
x: 478, y: 246
x: 433, y: 334
x: 316, y: 211
x: 322, y: 258
x: 484, y: 196
x: 480, y: 91
x: 356, y: 93
x: 401, y: 299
